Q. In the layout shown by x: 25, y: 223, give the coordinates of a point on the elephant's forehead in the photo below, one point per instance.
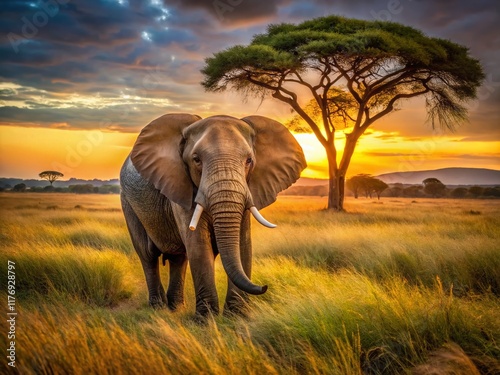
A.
x: 220, y: 128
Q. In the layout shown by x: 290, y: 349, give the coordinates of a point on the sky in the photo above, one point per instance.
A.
x: 79, y: 79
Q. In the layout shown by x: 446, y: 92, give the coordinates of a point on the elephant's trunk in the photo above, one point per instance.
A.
x: 226, y: 206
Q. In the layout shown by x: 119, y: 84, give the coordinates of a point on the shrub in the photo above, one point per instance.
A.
x: 459, y: 192
x: 96, y: 278
x: 19, y: 188
x: 476, y: 191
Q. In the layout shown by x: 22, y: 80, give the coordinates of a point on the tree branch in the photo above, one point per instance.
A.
x: 349, y: 80
x: 390, y: 107
x: 377, y: 87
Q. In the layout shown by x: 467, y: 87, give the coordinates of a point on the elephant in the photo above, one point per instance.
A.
x: 188, y: 188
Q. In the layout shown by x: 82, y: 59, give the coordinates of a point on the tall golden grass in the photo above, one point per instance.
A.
x: 385, y: 288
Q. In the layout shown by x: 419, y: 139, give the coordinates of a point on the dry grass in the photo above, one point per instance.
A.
x: 399, y: 287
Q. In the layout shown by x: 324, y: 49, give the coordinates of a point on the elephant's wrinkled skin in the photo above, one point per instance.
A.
x: 223, y: 164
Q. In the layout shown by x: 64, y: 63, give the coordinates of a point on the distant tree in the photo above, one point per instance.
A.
x: 459, y: 192
x: 48, y: 188
x: 357, y: 183
x: 491, y: 192
x: 109, y: 189
x: 413, y: 191
x: 378, y: 187
x: 431, y: 180
x: 476, y: 191
x: 355, y: 72
x: 367, y: 187
x: 50, y: 176
x: 396, y: 190
x: 81, y: 188
x: 19, y: 187
x: 366, y: 183
x: 434, y: 187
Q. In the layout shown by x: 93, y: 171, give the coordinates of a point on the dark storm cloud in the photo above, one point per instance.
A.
x: 155, y: 49
x: 233, y: 12
x: 76, y: 21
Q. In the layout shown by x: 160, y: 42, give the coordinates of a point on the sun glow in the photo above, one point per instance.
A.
x: 382, y: 152
x: 80, y: 154
x: 99, y: 154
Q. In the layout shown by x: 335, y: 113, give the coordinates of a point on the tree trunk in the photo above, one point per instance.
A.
x: 336, y: 186
x: 337, y: 178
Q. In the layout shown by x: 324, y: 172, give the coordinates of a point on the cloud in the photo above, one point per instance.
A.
x: 480, y: 138
x: 317, y: 167
x: 492, y: 157
x: 96, y: 49
x: 390, y: 154
x: 231, y: 13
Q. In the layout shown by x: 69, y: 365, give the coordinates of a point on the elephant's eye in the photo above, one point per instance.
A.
x: 196, y: 159
x: 249, y: 161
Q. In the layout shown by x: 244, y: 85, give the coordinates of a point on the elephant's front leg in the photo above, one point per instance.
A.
x: 201, y: 261
x: 175, y: 293
x: 236, y: 299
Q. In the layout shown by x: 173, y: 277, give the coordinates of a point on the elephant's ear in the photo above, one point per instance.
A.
x: 279, y: 160
x: 157, y: 157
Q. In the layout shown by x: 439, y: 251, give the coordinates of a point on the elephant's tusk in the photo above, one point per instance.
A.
x: 196, y: 216
x: 256, y: 214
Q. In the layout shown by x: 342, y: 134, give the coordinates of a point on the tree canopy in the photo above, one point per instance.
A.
x: 50, y: 176
x: 355, y: 72
x: 433, y: 186
x: 367, y: 184
x: 19, y: 187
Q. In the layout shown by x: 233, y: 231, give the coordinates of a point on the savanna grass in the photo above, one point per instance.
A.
x: 381, y: 289
x: 395, y: 323
x: 415, y: 242
x: 67, y: 272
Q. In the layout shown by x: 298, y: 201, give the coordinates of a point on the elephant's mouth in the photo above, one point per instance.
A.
x: 255, y: 212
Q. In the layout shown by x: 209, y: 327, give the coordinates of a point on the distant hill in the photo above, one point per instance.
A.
x: 448, y: 176
x: 313, y: 186
x: 11, y: 182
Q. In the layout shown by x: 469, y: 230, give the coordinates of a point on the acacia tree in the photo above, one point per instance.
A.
x: 433, y: 186
x: 355, y: 73
x: 366, y: 183
x: 50, y: 176
x: 357, y: 183
x: 379, y: 187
